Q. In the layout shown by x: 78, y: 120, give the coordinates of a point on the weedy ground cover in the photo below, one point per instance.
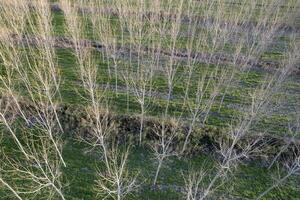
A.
x: 230, y: 68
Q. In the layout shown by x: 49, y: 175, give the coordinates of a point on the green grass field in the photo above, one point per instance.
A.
x: 82, y: 164
x: 248, y: 180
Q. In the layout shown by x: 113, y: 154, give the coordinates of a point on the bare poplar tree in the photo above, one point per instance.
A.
x: 116, y: 182
x: 193, y: 181
x: 291, y: 168
x: 163, y: 146
x: 35, y: 127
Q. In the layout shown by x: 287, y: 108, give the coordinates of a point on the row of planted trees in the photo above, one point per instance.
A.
x: 181, y: 42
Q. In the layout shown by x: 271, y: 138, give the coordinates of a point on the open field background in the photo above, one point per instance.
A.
x: 122, y: 95
x: 249, y: 181
x: 225, y: 73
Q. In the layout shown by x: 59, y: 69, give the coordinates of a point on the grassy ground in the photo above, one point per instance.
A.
x: 248, y: 182
x: 83, y: 163
x: 236, y: 96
